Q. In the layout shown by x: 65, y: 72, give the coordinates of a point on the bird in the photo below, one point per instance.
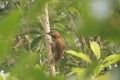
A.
x: 58, y: 45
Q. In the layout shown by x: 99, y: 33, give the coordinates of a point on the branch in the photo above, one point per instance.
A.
x: 45, y: 19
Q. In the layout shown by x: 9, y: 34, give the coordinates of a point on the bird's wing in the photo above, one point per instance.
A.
x: 59, y: 47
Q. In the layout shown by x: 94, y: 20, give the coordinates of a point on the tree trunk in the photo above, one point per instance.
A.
x: 45, y: 19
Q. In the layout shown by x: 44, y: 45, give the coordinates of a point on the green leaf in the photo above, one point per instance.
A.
x: 1, y: 78
x: 28, y: 68
x: 95, y: 48
x: 36, y: 8
x: 111, y: 59
x: 8, y: 25
x: 76, y: 74
x: 98, y: 70
x: 80, y: 55
x: 78, y: 71
x: 110, y: 63
x: 35, y: 43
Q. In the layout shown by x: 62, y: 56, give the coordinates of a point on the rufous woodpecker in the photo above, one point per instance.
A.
x: 58, y: 45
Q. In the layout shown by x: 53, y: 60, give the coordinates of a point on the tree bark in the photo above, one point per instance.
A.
x: 45, y: 20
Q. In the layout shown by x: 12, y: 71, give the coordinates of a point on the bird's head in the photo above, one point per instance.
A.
x: 54, y: 34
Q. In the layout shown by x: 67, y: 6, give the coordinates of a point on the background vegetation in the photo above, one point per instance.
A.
x: 90, y: 28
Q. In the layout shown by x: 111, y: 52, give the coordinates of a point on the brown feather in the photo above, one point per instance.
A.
x: 58, y: 45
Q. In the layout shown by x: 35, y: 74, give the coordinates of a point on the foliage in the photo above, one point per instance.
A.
x: 80, y: 55
x: 91, y: 34
x: 97, y: 66
x: 96, y: 49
